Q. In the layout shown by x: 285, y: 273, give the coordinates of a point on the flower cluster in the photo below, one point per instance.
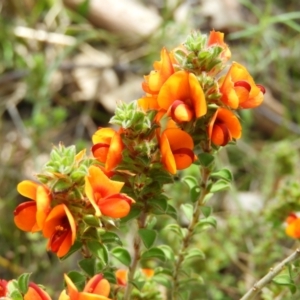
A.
x: 71, y: 190
x: 190, y: 102
x: 189, y: 107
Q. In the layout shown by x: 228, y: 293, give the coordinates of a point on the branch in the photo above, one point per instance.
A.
x: 257, y: 287
x: 205, y: 172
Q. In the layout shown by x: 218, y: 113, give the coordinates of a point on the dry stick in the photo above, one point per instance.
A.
x: 272, y: 273
x: 186, y: 241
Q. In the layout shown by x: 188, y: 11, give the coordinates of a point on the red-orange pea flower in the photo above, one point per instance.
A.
x: 163, y: 69
x: 176, y: 147
x: 31, y: 215
x: 224, y: 127
x: 239, y: 89
x: 217, y: 38
x: 3, y: 287
x: 104, y: 194
x: 293, y: 226
x: 108, y: 147
x: 182, y: 97
x: 36, y: 293
x: 60, y: 228
x: 97, y: 288
x: 121, y: 275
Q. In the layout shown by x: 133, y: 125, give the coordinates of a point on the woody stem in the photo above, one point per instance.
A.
x: 205, y: 173
x: 137, y: 255
x: 257, y: 287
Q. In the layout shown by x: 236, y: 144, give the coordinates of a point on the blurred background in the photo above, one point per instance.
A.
x: 65, y: 64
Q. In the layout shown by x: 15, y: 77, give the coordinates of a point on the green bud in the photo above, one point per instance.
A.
x: 91, y: 220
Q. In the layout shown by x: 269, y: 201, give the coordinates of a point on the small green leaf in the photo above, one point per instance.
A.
x: 12, y: 286
x: 191, y: 181
x: 283, y: 279
x: 92, y: 233
x: 110, y: 276
x: 194, y: 254
x: 110, y: 237
x: 91, y: 220
x: 224, y: 174
x: 16, y: 295
x: 169, y: 254
x: 175, y: 228
x: 78, y: 279
x: 207, y: 197
x: 206, y: 159
x: 160, y: 204
x: 139, y: 284
x: 163, y: 280
x: 188, y: 210
x: 98, y: 250
x: 154, y: 253
x: 206, y: 210
x: 171, y: 211
x: 184, y: 294
x: 133, y: 214
x: 218, y: 186
x: 122, y: 255
x: 192, y: 281
x: 159, y: 270
x: 205, y: 224
x: 88, y: 266
x: 151, y: 222
x: 23, y: 281
x: 195, y: 193
x: 148, y: 237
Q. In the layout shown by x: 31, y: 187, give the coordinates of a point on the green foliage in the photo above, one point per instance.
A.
x: 268, y: 42
x: 122, y: 255
x: 148, y: 237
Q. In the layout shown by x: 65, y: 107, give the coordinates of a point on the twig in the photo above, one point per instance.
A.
x: 186, y: 241
x: 257, y: 287
x: 137, y: 255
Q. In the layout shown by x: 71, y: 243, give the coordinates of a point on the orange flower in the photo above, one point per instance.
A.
x: 224, y: 127
x: 293, y: 226
x: 36, y: 293
x: 121, y: 275
x: 217, y: 38
x: 31, y: 215
x: 148, y: 272
x: 239, y: 89
x: 3, y: 287
x: 176, y: 147
x: 104, y: 194
x: 108, y: 147
x: 163, y: 69
x: 97, y: 288
x: 60, y: 228
x: 182, y: 97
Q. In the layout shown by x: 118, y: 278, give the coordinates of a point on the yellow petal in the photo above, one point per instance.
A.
x: 100, y: 182
x: 27, y: 189
x: 167, y: 156
x: 103, y: 135
x: 43, y: 201
x: 197, y: 96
